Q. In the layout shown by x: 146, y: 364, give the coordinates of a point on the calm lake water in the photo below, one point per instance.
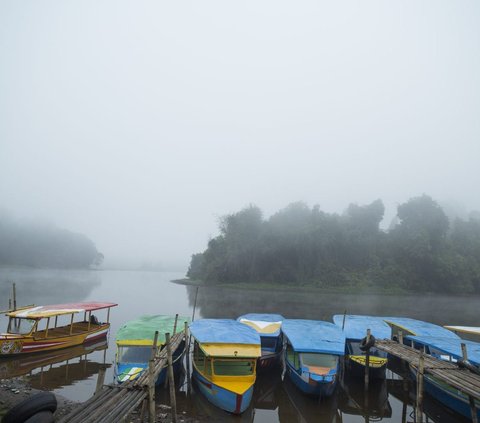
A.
x: 74, y: 374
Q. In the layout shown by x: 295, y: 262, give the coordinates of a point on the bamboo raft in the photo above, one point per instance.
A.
x: 113, y: 403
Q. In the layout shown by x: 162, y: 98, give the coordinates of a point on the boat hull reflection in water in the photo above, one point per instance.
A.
x: 56, y: 368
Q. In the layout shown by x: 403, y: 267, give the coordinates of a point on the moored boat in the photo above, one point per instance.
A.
x: 448, y: 349
x: 355, y: 329
x: 268, y: 327
x: 135, y: 341
x: 471, y: 333
x: 224, y: 362
x: 313, y: 350
x: 31, y: 329
x: 417, y: 328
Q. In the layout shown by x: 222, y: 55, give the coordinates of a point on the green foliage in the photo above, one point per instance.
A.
x: 303, y: 246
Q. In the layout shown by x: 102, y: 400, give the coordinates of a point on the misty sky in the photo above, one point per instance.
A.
x: 139, y: 123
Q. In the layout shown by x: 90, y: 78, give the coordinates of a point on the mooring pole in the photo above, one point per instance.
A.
x: 175, y: 324
x: 367, y: 362
x: 194, y: 305
x: 400, y: 337
x: 151, y: 382
x: 471, y: 400
x: 420, y: 371
x: 100, y: 380
x: 187, y: 355
x: 171, y: 379
x: 14, y: 297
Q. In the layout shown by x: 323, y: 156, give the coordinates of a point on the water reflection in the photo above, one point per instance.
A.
x: 217, y: 302
x: 55, y: 369
x: 435, y: 411
x: 45, y: 286
x: 372, y: 405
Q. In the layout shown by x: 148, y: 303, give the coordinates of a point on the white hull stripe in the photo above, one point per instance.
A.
x: 26, y: 347
x: 100, y: 333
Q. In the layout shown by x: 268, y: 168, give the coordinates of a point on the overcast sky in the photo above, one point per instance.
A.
x: 139, y: 123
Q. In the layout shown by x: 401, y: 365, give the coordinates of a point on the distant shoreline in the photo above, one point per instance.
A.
x: 308, y: 288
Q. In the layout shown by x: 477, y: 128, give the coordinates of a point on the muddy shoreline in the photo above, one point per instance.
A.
x: 14, y: 391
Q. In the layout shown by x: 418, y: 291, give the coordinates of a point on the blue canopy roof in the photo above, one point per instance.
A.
x: 356, y: 326
x: 419, y: 328
x: 223, y: 331
x: 314, y: 336
x: 259, y: 318
x: 451, y: 346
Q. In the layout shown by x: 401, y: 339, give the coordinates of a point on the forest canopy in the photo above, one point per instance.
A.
x: 41, y: 245
x: 423, y: 251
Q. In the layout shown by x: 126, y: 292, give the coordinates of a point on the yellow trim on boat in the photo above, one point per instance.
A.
x: 374, y: 360
x: 239, y: 385
x: 232, y: 350
x: 403, y: 328
x: 272, y: 328
x: 464, y: 329
x: 137, y: 342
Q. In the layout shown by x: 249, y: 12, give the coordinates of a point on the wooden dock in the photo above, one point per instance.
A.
x: 452, y: 373
x: 461, y: 379
x: 114, y: 403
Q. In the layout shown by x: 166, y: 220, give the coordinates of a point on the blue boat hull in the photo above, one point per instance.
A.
x: 221, y: 397
x: 315, y: 388
x: 450, y: 398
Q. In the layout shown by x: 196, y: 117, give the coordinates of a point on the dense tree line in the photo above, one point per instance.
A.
x: 41, y: 245
x: 423, y: 251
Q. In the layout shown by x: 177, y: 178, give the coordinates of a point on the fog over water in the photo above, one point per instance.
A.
x: 140, y: 123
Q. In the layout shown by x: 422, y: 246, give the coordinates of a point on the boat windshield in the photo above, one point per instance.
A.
x: 268, y: 342
x: 233, y: 367
x: 20, y: 326
x: 134, y: 354
x: 319, y: 360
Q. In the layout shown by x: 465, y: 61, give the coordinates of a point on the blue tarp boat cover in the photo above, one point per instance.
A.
x: 356, y: 326
x: 419, y: 328
x: 450, y: 346
x: 259, y: 318
x: 223, y: 331
x: 314, y: 336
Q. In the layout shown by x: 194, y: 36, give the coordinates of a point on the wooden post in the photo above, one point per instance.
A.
x: 100, y: 379
x: 171, y: 379
x: 194, y: 305
x: 420, y: 371
x: 175, y: 324
x: 367, y: 362
x: 187, y: 355
x: 344, y: 317
x: 46, y: 329
x: 151, y: 382
x: 471, y: 400
x: 400, y: 337
x: 14, y: 297
x: 71, y: 324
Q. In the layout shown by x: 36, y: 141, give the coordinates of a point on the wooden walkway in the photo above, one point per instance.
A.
x: 462, y: 379
x: 113, y: 403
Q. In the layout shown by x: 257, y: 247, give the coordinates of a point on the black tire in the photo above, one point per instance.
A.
x: 364, y: 345
x: 45, y: 416
x: 43, y: 401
